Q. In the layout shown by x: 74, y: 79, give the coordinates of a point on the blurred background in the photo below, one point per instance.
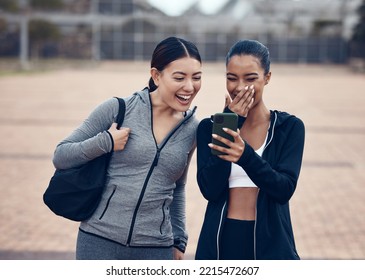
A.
x: 60, y: 58
x: 297, y: 31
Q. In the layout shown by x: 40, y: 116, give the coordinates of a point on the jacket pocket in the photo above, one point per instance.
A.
x: 163, y: 216
x: 107, y: 203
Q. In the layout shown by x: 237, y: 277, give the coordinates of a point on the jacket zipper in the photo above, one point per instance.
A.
x: 254, y: 229
x: 141, y: 197
x: 154, y: 164
x: 220, y: 229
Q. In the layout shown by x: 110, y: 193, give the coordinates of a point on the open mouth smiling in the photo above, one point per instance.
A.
x: 183, y: 98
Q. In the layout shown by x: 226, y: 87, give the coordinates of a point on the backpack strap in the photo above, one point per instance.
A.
x: 120, y: 118
x: 121, y: 113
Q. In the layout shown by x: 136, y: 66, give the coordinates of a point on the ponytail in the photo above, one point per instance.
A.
x: 151, y: 85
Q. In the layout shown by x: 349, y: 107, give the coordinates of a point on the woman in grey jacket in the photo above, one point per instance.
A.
x: 248, y: 189
x: 142, y: 211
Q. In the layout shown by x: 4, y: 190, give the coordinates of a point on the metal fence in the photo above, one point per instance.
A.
x: 130, y: 43
x: 116, y: 30
x: 214, y: 47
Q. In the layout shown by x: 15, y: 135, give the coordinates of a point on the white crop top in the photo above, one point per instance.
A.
x: 238, y: 177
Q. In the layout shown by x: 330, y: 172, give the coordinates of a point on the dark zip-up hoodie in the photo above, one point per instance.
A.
x: 143, y: 204
x: 275, y: 173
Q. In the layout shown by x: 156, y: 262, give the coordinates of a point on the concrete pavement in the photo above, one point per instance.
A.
x: 39, y: 109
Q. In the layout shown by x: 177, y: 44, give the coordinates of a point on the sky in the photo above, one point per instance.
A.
x: 177, y: 7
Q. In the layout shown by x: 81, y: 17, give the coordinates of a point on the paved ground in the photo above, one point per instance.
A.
x: 37, y: 110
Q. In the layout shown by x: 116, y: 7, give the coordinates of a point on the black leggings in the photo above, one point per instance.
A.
x: 237, y: 241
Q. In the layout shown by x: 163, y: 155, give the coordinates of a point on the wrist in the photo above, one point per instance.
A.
x: 180, y: 245
x: 111, y: 140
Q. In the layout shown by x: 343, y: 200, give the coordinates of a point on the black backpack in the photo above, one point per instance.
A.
x: 75, y: 193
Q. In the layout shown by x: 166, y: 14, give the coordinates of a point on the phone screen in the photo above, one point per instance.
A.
x: 221, y: 120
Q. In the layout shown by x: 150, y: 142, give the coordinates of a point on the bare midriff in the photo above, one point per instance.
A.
x: 242, y: 203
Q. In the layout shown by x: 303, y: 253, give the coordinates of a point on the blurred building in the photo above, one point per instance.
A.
x: 304, y: 31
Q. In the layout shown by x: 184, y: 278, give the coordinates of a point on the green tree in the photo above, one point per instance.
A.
x: 46, y: 4
x: 359, y: 29
x: 8, y: 5
x: 3, y: 25
x: 41, y: 32
x: 358, y: 35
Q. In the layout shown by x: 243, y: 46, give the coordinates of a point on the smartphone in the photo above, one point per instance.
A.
x: 221, y: 120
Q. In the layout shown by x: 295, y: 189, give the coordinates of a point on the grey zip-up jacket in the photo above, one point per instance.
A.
x: 143, y: 203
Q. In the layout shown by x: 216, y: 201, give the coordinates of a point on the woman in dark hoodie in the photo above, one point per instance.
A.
x: 248, y: 189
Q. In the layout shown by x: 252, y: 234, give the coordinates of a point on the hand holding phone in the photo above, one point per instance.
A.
x: 221, y: 120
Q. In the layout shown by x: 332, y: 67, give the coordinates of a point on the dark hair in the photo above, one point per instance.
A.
x: 251, y: 47
x: 169, y: 50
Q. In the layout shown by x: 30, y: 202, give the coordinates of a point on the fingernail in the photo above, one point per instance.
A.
x: 214, y: 135
x: 251, y: 87
x: 225, y: 129
x: 210, y: 145
x: 246, y: 88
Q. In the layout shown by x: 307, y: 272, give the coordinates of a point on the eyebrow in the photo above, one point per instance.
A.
x: 183, y: 73
x: 246, y: 75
